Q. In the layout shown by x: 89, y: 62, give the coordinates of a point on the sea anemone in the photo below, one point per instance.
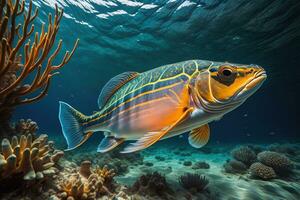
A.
x: 191, y: 181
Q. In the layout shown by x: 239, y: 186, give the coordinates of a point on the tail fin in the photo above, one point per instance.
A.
x: 71, y: 123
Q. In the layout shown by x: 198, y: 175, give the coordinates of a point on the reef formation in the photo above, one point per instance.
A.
x: 261, y: 164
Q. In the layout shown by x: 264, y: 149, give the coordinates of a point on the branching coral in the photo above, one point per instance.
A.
x: 279, y: 162
x: 87, y: 183
x: 107, y: 174
x: 194, y: 182
x: 36, y: 59
x: 259, y: 170
x: 244, y: 154
x: 77, y: 187
x: 27, y: 158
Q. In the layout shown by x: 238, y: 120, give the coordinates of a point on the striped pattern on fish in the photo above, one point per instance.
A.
x: 161, y: 103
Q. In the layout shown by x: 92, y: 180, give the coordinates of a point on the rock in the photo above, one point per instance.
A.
x: 148, y: 164
x: 187, y: 163
x: 200, y: 165
x: 160, y: 158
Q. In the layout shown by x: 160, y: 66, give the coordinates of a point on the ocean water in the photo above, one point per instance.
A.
x: 126, y: 35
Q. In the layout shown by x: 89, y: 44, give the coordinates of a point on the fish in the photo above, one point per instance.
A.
x: 164, y: 102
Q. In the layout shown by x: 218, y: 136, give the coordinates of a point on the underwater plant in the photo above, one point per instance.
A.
x: 17, y: 66
x: 194, y: 182
x: 279, y: 162
x: 25, y: 159
x: 259, y: 170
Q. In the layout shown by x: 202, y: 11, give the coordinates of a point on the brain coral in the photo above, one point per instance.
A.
x: 27, y: 158
x: 262, y: 171
x: 244, y: 154
x: 279, y: 162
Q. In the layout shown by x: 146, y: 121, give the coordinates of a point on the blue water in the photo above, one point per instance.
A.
x: 118, y: 36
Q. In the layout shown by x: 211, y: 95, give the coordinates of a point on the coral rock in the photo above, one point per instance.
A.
x: 244, y: 154
x: 279, y: 162
x: 262, y: 171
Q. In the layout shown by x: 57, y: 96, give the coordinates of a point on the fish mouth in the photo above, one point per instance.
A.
x: 252, y: 86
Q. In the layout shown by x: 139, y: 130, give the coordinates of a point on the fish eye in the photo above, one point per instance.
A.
x: 226, y: 72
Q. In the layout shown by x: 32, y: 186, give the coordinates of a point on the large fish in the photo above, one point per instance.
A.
x: 162, y: 103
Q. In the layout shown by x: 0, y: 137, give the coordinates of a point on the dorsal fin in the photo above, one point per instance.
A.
x: 113, y: 85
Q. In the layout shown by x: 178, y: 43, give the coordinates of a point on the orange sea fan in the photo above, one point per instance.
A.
x: 37, y: 56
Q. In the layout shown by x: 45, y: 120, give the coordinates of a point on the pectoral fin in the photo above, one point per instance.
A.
x: 108, y: 143
x: 150, y: 138
x: 199, y: 136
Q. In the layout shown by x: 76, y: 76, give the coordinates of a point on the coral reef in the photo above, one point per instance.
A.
x: 26, y: 159
x: 86, y: 183
x: 279, y: 162
x: 36, y: 60
x: 259, y: 170
x: 235, y: 166
x: 25, y: 127
x: 244, y: 154
x: 193, y: 182
x: 153, y: 184
x: 114, y: 160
